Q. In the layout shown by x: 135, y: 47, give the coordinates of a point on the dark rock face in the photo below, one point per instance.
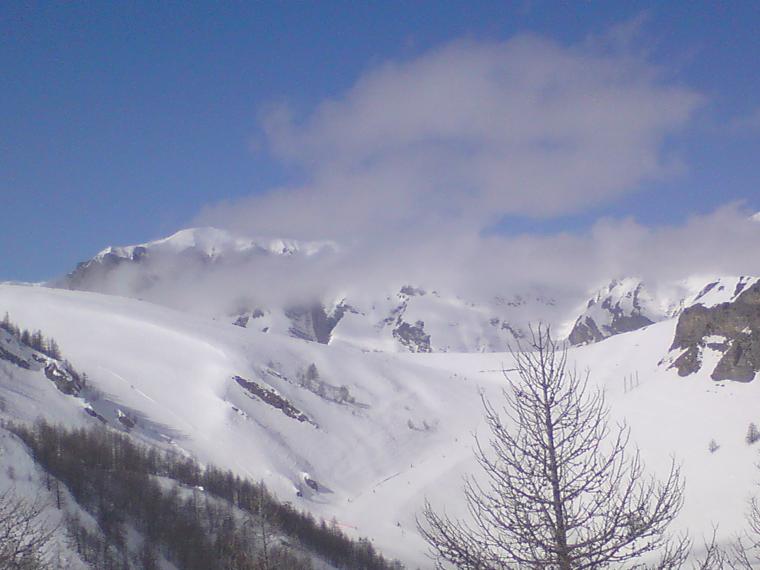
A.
x: 272, y: 398
x: 618, y: 312
x: 411, y: 291
x: 324, y: 323
x: 585, y: 331
x: 13, y: 359
x: 737, y: 321
x: 88, y: 273
x: 315, y: 323
x: 314, y: 383
x: 64, y: 378
x: 242, y: 321
x: 413, y: 336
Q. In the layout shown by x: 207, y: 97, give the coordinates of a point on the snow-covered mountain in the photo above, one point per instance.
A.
x: 214, y: 273
x: 630, y: 303
x: 243, y: 277
x: 365, y: 437
x: 200, y: 245
x: 623, y: 306
x: 720, y: 330
x: 213, y: 243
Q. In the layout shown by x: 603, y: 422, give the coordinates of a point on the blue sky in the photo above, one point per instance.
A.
x: 120, y: 123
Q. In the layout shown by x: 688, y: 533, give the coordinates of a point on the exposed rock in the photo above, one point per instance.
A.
x: 315, y: 323
x: 127, y: 421
x: 13, y: 359
x: 585, y: 331
x: 413, y: 336
x: 737, y: 322
x: 620, y: 307
x: 410, y: 291
x: 90, y: 412
x: 311, y: 483
x: 64, y: 378
x: 242, y: 321
x: 271, y: 397
x: 311, y: 380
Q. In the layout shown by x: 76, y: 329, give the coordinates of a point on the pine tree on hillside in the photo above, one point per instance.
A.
x: 753, y: 434
x: 52, y: 349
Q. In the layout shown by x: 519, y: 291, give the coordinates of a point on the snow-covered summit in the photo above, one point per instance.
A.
x: 280, y: 286
x: 622, y: 306
x: 214, y: 243
x: 629, y: 303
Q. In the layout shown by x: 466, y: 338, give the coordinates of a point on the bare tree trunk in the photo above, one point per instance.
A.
x: 262, y: 523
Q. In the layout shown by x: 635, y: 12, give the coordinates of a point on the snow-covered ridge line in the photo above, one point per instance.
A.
x: 214, y: 242
x: 630, y: 303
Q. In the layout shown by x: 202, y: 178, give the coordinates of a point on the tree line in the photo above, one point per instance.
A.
x: 198, y: 518
x: 32, y: 339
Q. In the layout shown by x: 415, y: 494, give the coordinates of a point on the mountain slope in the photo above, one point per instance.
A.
x: 365, y: 437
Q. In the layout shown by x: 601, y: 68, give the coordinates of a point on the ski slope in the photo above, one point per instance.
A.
x: 368, y: 435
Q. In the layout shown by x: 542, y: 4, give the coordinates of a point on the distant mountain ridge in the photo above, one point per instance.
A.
x: 214, y: 242
x: 404, y: 317
x: 202, y: 245
x: 629, y: 304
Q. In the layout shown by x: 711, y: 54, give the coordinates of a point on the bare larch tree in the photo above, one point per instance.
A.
x: 563, y: 488
x: 24, y: 534
x: 744, y: 553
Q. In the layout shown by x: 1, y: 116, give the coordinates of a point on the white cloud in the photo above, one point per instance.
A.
x: 465, y: 134
x: 564, y: 266
x: 409, y: 166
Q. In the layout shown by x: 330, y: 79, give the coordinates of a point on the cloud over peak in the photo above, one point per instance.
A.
x: 465, y: 134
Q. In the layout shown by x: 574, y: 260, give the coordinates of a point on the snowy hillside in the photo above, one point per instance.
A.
x: 361, y: 436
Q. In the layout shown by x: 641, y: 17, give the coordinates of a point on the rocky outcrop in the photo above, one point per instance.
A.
x: 730, y: 328
x: 621, y: 307
x: 65, y: 378
x: 413, y: 337
x: 315, y: 323
x: 88, y: 273
x: 13, y: 359
x: 314, y: 383
x: 272, y: 398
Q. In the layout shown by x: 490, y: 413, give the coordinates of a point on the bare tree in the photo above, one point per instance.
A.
x: 563, y: 488
x: 744, y: 553
x: 24, y: 534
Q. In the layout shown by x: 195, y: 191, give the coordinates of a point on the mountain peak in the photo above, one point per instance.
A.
x: 214, y: 242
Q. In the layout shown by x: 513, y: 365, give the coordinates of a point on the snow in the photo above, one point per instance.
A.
x: 408, y: 435
x: 724, y: 290
x: 22, y: 479
x: 214, y: 242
